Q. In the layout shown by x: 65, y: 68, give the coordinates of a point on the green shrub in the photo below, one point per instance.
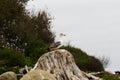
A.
x: 5, y: 69
x: 93, y: 64
x: 35, y: 49
x: 10, y: 57
x: 84, y: 61
x: 109, y: 76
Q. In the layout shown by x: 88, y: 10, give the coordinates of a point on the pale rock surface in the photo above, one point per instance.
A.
x: 38, y: 75
x: 8, y: 76
x: 62, y: 65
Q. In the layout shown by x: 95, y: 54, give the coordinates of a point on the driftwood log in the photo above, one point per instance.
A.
x: 62, y: 65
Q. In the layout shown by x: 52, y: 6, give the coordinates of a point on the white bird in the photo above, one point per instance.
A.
x: 57, y: 44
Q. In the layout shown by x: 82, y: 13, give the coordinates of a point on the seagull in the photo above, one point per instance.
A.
x: 57, y: 44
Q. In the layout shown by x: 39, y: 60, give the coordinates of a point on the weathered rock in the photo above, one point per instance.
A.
x: 61, y: 64
x: 8, y: 76
x: 38, y: 75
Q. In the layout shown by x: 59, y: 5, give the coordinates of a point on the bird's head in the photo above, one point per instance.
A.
x: 61, y: 34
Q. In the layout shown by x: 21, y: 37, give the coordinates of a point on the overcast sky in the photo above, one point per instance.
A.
x: 92, y: 25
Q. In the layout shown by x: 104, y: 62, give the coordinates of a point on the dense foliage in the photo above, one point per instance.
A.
x: 10, y: 57
x: 84, y: 61
x: 28, y: 35
x: 109, y: 76
x: 18, y: 29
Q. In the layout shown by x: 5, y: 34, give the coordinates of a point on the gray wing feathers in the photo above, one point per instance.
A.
x: 55, y: 45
